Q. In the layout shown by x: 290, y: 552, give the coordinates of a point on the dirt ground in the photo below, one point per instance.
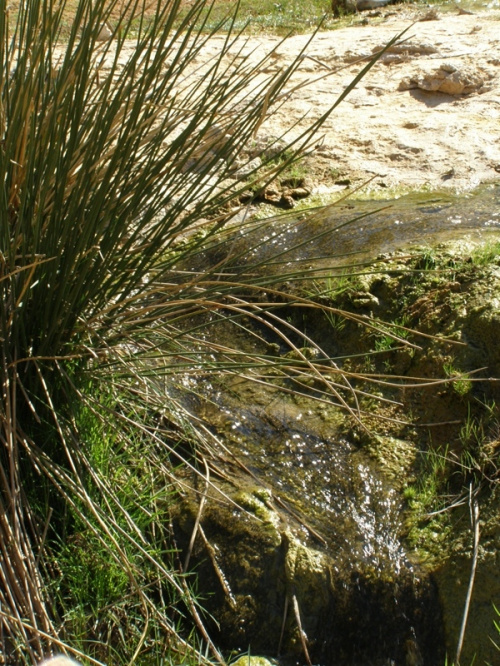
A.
x: 425, y: 117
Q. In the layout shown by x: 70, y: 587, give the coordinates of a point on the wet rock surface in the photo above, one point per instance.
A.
x: 326, y: 532
x: 271, y: 583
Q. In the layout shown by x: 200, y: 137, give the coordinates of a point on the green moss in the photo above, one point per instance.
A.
x: 249, y: 660
x: 396, y: 458
x: 307, y: 353
x: 257, y: 501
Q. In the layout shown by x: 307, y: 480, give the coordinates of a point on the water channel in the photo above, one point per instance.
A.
x: 298, y: 450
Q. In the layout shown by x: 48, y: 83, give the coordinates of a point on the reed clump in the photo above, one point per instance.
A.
x: 114, y: 171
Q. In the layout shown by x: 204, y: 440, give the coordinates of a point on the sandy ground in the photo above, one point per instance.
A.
x: 425, y: 117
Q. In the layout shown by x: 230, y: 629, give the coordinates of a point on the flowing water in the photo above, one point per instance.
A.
x: 297, y: 447
x: 296, y: 450
x: 358, y: 231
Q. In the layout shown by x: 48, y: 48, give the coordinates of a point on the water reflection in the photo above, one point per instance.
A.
x: 360, y: 230
x: 327, y: 479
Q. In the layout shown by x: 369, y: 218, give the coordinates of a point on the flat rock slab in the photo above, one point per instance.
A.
x: 439, y: 131
x: 425, y: 117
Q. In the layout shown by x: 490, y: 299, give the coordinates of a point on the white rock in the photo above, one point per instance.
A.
x: 105, y: 33
x: 448, y: 79
x: 60, y: 660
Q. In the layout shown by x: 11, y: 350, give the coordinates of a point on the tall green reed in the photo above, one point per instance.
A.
x: 116, y: 158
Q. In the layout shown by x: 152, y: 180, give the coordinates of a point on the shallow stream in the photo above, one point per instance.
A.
x: 358, y: 231
x: 299, y: 449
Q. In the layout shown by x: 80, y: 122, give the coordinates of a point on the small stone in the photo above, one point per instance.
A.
x: 447, y: 79
x: 246, y: 196
x: 272, y: 195
x: 244, y: 168
x: 364, y: 300
x: 105, y: 33
x: 287, y: 202
x: 407, y: 84
x: 248, y: 660
x: 299, y: 192
x: 431, y: 15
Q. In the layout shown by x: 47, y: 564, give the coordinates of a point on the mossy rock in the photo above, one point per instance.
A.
x: 260, y: 574
x: 248, y: 660
x: 267, y: 559
x: 396, y: 458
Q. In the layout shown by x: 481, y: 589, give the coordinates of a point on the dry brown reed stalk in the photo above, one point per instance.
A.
x: 23, y: 599
x: 474, y: 515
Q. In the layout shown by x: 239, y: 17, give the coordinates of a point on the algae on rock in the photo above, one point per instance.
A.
x: 341, y: 518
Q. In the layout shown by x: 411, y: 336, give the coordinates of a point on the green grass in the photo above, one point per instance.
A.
x: 461, y: 383
x: 99, y: 573
x: 428, y: 522
x: 398, y: 332
x: 280, y: 17
x: 447, y: 475
x: 486, y: 254
x: 497, y: 626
